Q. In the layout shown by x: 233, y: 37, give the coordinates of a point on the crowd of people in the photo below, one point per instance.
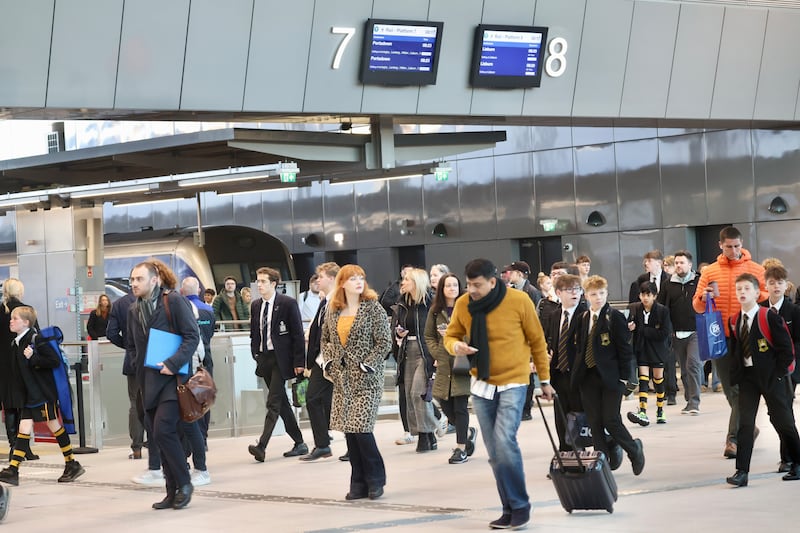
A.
x: 491, y: 342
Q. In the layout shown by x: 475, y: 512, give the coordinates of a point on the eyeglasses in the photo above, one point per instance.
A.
x: 573, y: 290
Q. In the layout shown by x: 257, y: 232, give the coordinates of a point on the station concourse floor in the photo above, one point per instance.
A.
x: 682, y: 487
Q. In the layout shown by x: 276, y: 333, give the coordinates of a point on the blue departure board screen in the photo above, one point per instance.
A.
x: 398, y: 52
x: 508, y: 57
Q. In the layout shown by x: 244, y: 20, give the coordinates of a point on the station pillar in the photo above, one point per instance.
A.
x: 60, y: 258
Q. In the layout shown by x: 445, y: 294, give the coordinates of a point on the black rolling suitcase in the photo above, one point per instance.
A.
x: 583, y: 479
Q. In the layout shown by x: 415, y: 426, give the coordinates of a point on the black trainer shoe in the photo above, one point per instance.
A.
x: 72, y: 471
x: 459, y: 456
x: 297, y: 450
x: 472, y: 439
x: 5, y: 496
x: 10, y: 475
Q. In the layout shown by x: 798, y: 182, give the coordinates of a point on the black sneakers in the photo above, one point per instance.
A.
x: 459, y: 456
x: 472, y: 438
x: 72, y: 471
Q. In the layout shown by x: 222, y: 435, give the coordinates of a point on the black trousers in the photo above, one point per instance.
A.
x: 457, y: 411
x: 366, y: 463
x: 568, y: 399
x: 601, y: 406
x: 318, y: 405
x: 670, y: 374
x: 781, y: 416
x: 529, y: 394
x: 277, y: 402
x: 164, y: 420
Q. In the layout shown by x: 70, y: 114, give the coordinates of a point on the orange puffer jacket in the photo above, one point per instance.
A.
x: 724, y: 272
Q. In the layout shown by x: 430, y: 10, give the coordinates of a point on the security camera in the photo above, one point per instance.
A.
x: 567, y: 247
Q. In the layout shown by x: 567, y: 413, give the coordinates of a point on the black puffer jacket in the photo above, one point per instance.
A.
x: 412, y: 317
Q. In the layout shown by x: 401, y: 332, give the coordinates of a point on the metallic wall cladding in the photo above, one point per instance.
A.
x: 380, y: 266
x: 596, y: 185
x: 683, y: 180
x: 653, y: 193
x: 340, y: 216
x: 729, y: 177
x: 649, y: 66
x: 738, y: 62
x: 24, y: 73
x: 83, y: 54
x: 554, y: 188
x: 775, y: 165
x: 776, y: 98
x: 638, y: 184
x: 308, y: 218
x: 477, y: 198
x: 372, y: 213
x: 516, y: 207
x: 151, y: 54
x: 217, y: 45
x: 406, y: 223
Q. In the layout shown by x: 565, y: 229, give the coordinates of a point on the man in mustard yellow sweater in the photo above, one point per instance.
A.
x: 499, y: 331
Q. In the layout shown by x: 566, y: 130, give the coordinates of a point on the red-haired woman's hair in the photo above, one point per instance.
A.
x: 338, y: 299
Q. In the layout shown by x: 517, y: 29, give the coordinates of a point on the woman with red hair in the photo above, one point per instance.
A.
x: 355, y: 341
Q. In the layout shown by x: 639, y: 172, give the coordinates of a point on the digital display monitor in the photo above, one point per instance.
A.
x: 508, y: 57
x: 400, y: 52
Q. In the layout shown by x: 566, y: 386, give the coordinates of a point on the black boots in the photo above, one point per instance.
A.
x: 426, y: 442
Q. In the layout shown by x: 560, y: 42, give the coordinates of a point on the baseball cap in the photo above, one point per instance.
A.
x: 520, y: 266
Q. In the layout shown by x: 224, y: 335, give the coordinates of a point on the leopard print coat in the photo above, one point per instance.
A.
x: 357, y: 389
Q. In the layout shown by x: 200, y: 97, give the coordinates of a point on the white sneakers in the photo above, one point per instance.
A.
x: 407, y: 438
x: 200, y: 478
x: 150, y: 477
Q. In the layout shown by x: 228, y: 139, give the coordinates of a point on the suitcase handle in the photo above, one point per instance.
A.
x: 550, y: 434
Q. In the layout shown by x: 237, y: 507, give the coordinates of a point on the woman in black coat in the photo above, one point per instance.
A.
x: 97, y: 324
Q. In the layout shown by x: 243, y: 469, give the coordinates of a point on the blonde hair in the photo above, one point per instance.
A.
x: 594, y: 283
x: 771, y: 262
x: 422, y: 285
x: 12, y: 289
x: 25, y: 312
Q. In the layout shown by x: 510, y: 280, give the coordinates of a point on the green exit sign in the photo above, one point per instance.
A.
x: 288, y: 177
x: 288, y: 172
x: 441, y: 173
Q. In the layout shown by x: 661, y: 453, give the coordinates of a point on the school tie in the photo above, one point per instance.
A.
x: 264, y: 332
x: 746, y: 349
x: 562, y: 364
x: 774, y: 310
x: 590, y: 363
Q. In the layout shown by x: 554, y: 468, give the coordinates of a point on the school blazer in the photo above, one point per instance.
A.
x: 790, y: 313
x: 287, y: 335
x: 770, y: 362
x: 613, y: 353
x: 654, y: 338
x: 554, y: 329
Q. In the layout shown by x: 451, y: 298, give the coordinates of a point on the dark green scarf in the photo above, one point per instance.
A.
x: 478, y: 336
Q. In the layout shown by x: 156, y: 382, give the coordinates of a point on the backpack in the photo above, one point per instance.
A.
x: 53, y: 336
x: 763, y: 326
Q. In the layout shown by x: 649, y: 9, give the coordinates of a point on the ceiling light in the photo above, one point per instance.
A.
x: 372, y: 180
x: 108, y: 191
x: 219, y: 180
x: 257, y: 191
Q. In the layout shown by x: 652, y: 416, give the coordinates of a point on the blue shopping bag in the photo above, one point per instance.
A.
x: 711, y: 332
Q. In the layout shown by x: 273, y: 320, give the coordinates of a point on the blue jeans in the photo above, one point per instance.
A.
x: 499, y: 419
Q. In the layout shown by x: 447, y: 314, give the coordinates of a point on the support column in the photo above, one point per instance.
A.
x: 60, y: 257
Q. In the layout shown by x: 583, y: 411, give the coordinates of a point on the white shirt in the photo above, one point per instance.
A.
x: 16, y: 340
x: 777, y: 305
x: 309, y: 303
x: 751, y: 317
x: 266, y: 344
x: 571, y: 312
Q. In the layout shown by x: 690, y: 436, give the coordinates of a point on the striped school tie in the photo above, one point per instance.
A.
x: 590, y: 362
x: 563, y: 362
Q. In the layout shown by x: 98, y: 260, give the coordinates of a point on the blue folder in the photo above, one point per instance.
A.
x: 161, y: 345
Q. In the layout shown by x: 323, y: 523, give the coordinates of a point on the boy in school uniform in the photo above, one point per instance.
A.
x: 776, y: 279
x: 602, y: 371
x: 652, y: 329
x: 34, y: 366
x: 760, y: 367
